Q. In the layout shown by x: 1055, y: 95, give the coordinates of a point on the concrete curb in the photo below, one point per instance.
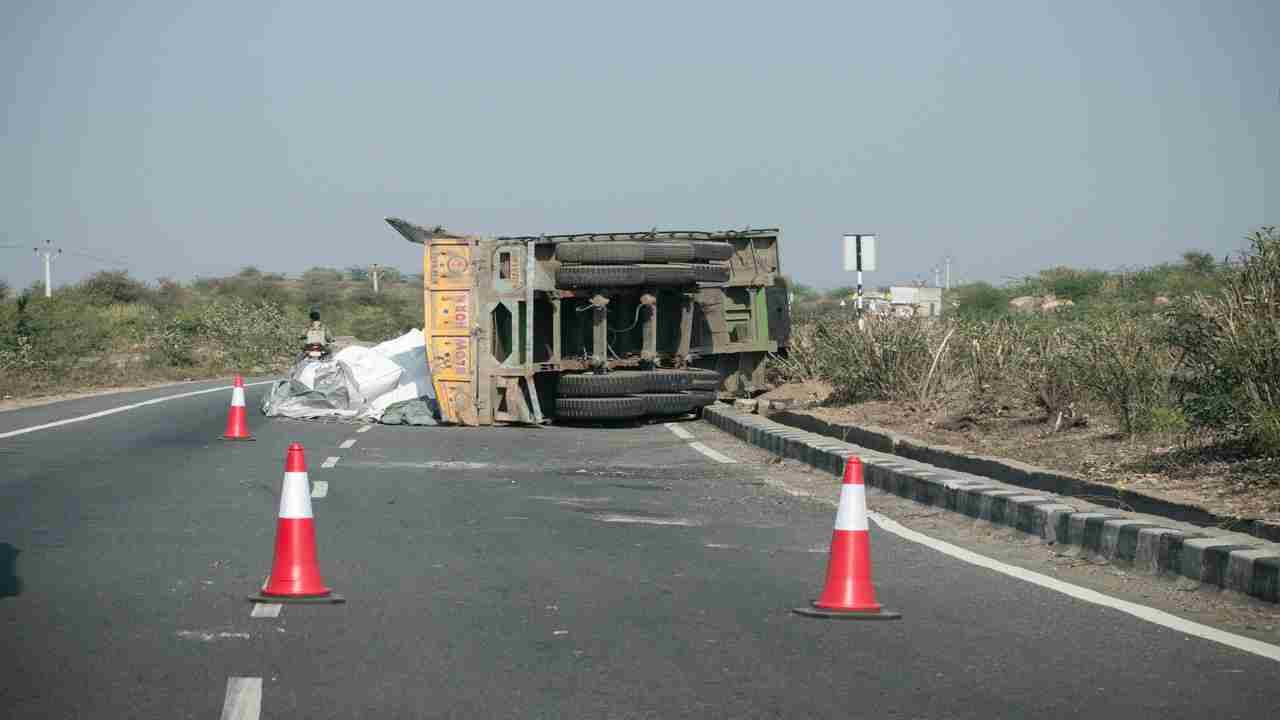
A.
x: 1231, y: 561
x: 1022, y: 474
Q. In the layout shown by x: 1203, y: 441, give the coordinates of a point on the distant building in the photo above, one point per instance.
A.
x: 916, y: 301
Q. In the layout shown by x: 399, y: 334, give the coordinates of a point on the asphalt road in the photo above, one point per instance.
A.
x: 531, y: 573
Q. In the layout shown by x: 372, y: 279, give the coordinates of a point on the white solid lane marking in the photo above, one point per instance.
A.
x: 243, y: 700
x: 711, y: 453
x: 268, y: 610
x: 365, y: 429
x: 319, y: 489
x: 637, y: 520
x: 330, y: 461
x: 347, y: 443
x: 1159, y: 617
x: 122, y: 408
x: 679, y: 431
x: 686, y: 435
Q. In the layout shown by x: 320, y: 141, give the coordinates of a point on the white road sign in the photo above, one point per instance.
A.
x: 859, y: 245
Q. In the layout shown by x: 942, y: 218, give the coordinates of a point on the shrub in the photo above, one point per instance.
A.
x: 1229, y: 348
x: 172, y: 342
x: 978, y: 300
x: 991, y: 356
x: 250, y: 334
x: 1123, y: 362
x: 888, y: 360
x: 54, y: 335
x: 113, y: 286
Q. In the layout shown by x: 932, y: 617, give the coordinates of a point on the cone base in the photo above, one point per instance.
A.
x: 229, y: 437
x: 817, y: 612
x: 328, y: 599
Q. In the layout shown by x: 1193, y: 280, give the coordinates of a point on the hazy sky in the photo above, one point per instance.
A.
x: 1019, y: 134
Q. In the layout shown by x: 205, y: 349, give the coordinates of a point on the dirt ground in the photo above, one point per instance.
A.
x: 1219, y: 479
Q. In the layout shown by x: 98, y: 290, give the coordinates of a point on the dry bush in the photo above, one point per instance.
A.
x: 1125, y: 364
x: 1229, y: 348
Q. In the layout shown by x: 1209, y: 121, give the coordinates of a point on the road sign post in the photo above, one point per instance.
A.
x: 859, y: 255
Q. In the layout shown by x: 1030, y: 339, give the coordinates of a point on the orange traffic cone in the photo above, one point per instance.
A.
x: 237, y: 424
x: 849, y: 593
x: 295, y: 572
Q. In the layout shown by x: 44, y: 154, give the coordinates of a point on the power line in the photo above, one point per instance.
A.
x: 114, y: 260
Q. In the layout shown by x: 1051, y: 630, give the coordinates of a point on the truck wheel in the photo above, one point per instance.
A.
x: 703, y: 379
x: 667, y: 381
x: 711, y: 273
x: 704, y: 250
x: 593, y: 276
x: 667, y: 403
x: 609, y: 408
x: 617, y: 383
x: 703, y: 398
x: 668, y: 274
x: 624, y: 253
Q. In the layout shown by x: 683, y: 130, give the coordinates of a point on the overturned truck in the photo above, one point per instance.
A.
x: 601, y: 326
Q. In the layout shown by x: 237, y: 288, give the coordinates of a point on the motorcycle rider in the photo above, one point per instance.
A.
x: 317, y: 333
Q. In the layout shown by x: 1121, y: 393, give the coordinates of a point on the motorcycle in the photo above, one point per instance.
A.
x: 314, y: 351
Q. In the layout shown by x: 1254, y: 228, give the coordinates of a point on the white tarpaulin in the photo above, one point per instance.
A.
x: 357, y: 384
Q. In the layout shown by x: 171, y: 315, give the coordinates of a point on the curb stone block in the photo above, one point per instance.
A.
x: 1266, y: 579
x: 1110, y: 543
x: 993, y: 508
x: 1119, y: 539
x: 1086, y: 530
x: 969, y: 500
x: 1020, y: 512
x: 1219, y: 563
x: 1198, y: 562
x: 1244, y: 576
x: 1147, y: 551
x: 1056, y: 525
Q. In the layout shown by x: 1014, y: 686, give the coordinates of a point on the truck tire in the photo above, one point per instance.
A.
x: 667, y: 381
x: 599, y: 276
x: 614, y: 384
x: 668, y: 403
x: 703, y: 379
x: 711, y: 273
x: 668, y: 274
x: 705, y: 250
x: 703, y: 398
x: 624, y: 253
x: 608, y: 408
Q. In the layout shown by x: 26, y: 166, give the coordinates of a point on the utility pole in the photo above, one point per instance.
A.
x: 48, y: 253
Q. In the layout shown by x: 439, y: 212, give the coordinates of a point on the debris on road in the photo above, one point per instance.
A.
x: 360, y: 384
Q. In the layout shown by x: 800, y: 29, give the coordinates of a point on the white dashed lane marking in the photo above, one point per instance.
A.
x: 679, y: 431
x: 686, y: 435
x: 330, y: 461
x: 243, y: 700
x: 365, y: 429
x: 347, y: 443
x: 319, y: 489
x: 266, y: 610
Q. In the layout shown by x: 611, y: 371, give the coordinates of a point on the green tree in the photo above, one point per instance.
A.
x: 1199, y: 262
x: 978, y: 300
x: 113, y: 286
